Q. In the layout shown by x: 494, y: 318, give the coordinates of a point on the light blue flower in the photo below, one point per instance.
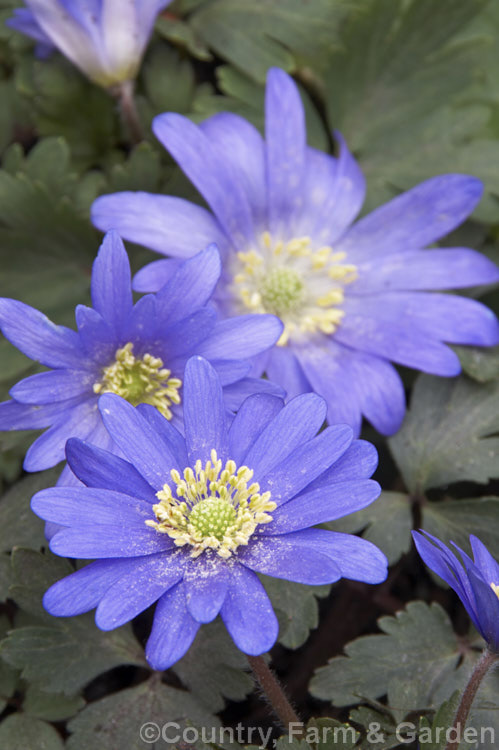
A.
x: 354, y: 296
x: 105, y: 39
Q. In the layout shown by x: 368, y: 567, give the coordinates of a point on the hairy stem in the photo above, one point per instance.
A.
x: 482, y: 667
x: 274, y: 693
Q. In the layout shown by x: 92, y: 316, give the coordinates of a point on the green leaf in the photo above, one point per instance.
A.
x: 23, y: 732
x: 432, y: 735
x: 168, y: 80
x: 393, y: 90
x: 9, y: 677
x: 445, y: 435
x: 296, y: 607
x: 265, y: 33
x: 18, y: 524
x: 456, y: 519
x: 387, y: 523
x: 416, y: 651
x: 480, y: 364
x: 177, y: 31
x: 330, y: 734
x: 51, y: 706
x: 5, y: 574
x: 116, y: 720
x: 213, y: 667
x: 60, y: 654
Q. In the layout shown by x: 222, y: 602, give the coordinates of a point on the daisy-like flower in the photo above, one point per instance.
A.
x: 136, y: 351
x: 189, y: 522
x: 476, y: 582
x: 352, y: 296
x: 105, y: 39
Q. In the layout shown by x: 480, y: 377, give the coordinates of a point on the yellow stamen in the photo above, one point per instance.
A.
x: 301, y: 285
x: 140, y: 381
x: 219, y: 509
x: 495, y: 589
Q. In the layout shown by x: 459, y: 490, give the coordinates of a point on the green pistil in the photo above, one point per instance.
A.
x: 281, y: 290
x: 212, y: 517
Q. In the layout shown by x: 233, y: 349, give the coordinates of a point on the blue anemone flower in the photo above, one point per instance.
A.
x: 190, y: 522
x: 105, y: 39
x: 352, y: 296
x: 138, y: 351
x: 476, y: 582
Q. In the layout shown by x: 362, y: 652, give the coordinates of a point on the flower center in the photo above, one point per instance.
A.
x: 140, y: 381
x: 303, y: 286
x: 211, y: 507
x: 495, y: 589
x: 281, y: 290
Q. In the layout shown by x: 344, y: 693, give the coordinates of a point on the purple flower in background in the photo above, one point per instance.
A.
x: 476, y: 582
x: 137, y: 351
x: 105, y: 39
x: 190, y: 522
x: 352, y: 296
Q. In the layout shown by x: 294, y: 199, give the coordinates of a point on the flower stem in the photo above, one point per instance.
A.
x: 274, y: 693
x: 129, y: 111
x: 481, y: 668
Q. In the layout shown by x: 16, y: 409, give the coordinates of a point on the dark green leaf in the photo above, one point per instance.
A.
x: 213, y: 667
x: 417, y: 649
x: 296, y: 607
x: 23, y: 732
x: 18, y: 524
x: 115, y: 722
x: 444, y: 437
x: 51, y: 706
x: 456, y: 519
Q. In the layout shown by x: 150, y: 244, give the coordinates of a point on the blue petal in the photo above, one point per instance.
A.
x: 82, y: 591
x: 335, y: 193
x: 111, y: 540
x: 204, y: 412
x: 358, y: 462
x: 484, y: 561
x: 185, y: 337
x: 173, y: 439
x: 15, y: 416
x: 206, y: 581
x: 236, y: 393
x: 48, y: 449
x: 37, y: 337
x: 112, y: 283
x: 24, y: 21
x: 250, y: 421
x: 235, y: 137
x: 487, y: 608
x: 284, y: 368
x: 354, y: 383
x: 357, y: 558
x: 215, y: 179
x: 447, y: 317
x: 299, y: 421
x: 414, y: 219
x: 71, y: 506
x: 306, y: 463
x: 155, y: 275
x: 137, y: 589
x: 173, y: 630
x: 100, y: 468
x: 191, y: 286
x: 230, y: 370
x: 286, y: 142
x: 248, y: 614
x: 322, y: 505
x: 133, y: 434
x: 287, y: 557
x: 390, y: 339
x: 242, y: 337
x: 168, y: 225
x: 97, y: 339
x: 439, y: 268
x: 53, y: 386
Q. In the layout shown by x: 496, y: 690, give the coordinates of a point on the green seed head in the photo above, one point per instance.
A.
x: 212, y: 517
x: 281, y: 290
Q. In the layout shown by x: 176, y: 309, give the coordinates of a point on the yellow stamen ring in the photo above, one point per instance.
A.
x: 140, y: 381
x: 303, y: 286
x: 212, y: 508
